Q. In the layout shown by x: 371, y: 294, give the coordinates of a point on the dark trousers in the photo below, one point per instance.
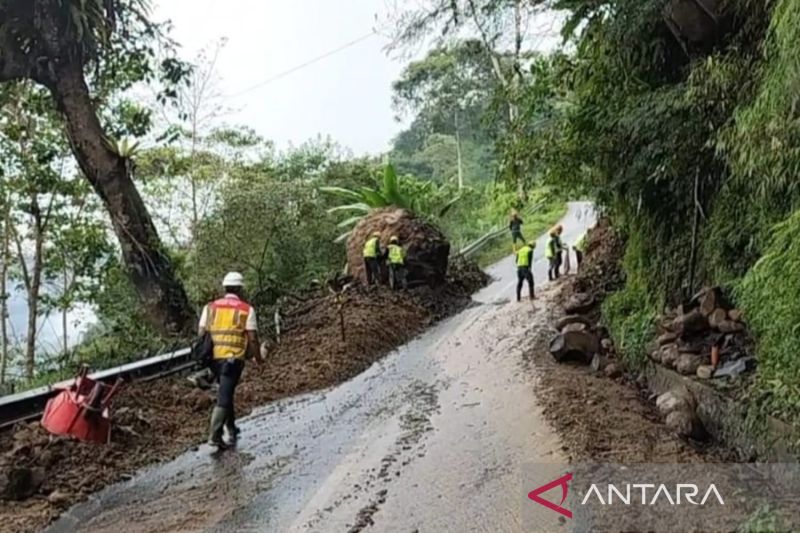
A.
x: 397, y: 277
x: 554, y: 271
x: 579, y: 257
x: 373, y: 269
x: 524, y: 274
x: 229, y: 372
x: 517, y: 235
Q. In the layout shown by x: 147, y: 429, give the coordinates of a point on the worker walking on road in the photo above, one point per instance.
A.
x: 524, y: 272
x: 580, y: 249
x: 396, y: 260
x: 231, y: 322
x: 372, y: 255
x: 554, y: 253
x: 515, y: 227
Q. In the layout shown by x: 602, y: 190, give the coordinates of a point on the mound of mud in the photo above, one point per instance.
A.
x: 426, y: 247
x: 601, y: 272
x: 155, y: 421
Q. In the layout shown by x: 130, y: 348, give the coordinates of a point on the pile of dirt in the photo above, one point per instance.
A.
x: 601, y: 272
x: 157, y: 420
x: 427, y: 248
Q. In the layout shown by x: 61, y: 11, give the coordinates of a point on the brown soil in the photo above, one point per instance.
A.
x: 158, y: 420
x: 599, y: 418
x: 602, y: 419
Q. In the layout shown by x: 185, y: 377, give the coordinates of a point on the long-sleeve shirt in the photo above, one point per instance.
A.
x: 515, y: 225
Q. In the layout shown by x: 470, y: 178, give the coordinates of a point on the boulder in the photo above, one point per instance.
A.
x: 579, y: 303
x: 19, y: 483
x: 667, y: 338
x: 736, y: 315
x: 686, y: 424
x: 669, y: 355
x: 710, y: 301
x: 577, y: 326
x: 705, y: 371
x: 729, y: 326
x: 59, y: 498
x: 690, y: 323
x: 607, y: 345
x: 598, y: 363
x: 688, y: 363
x: 574, y: 345
x: 676, y: 399
x: 572, y: 319
x: 613, y: 371
x: 717, y: 317
x: 427, y: 249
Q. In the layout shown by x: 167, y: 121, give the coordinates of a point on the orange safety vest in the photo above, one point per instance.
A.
x: 227, y: 320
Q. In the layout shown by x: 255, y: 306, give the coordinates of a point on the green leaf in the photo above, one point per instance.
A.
x: 374, y: 198
x: 343, y: 237
x: 341, y: 191
x: 350, y: 207
x: 449, y: 205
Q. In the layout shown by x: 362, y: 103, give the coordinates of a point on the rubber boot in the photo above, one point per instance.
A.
x: 230, y: 433
x: 218, y: 417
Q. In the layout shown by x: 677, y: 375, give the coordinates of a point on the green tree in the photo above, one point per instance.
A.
x: 68, y: 46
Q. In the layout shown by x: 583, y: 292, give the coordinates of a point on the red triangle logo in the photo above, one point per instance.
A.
x: 563, y: 482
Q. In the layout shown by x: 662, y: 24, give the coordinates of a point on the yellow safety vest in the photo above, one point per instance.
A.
x: 227, y: 321
x: 581, y: 244
x: 550, y: 251
x: 397, y: 256
x: 371, y: 248
x: 523, y: 256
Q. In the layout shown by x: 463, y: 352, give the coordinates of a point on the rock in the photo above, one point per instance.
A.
x: 59, y: 498
x: 578, y: 345
x: 717, y: 317
x: 19, y: 483
x: 655, y: 356
x: 667, y: 338
x: 710, y: 301
x: 577, y: 326
x: 613, y: 371
x: 695, y: 347
x: 572, y: 319
x: 677, y: 399
x: 687, y: 363
x: 736, y: 315
x: 579, y: 303
x: 686, y: 424
x: 705, y: 371
x: 607, y: 344
x: 427, y: 248
x: 729, y: 326
x: 669, y: 355
x: 691, y: 322
x: 598, y: 363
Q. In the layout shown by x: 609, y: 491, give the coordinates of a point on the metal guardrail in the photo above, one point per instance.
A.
x: 476, y: 246
x: 30, y: 404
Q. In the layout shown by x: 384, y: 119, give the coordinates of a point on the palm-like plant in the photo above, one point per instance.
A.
x: 359, y: 202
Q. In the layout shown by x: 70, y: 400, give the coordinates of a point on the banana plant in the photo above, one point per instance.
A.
x: 359, y: 202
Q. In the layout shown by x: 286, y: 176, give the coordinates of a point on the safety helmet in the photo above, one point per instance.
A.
x: 232, y: 279
x: 394, y: 239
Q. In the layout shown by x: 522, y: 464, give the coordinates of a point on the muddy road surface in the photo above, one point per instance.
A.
x: 429, y: 439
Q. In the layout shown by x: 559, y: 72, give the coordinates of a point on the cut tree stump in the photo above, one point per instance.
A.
x: 574, y: 345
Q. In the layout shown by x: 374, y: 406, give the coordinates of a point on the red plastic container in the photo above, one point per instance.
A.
x: 82, y: 410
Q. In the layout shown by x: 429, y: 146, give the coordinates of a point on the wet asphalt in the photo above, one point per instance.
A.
x: 432, y: 438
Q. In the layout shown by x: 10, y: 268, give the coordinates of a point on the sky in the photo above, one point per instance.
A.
x: 346, y: 95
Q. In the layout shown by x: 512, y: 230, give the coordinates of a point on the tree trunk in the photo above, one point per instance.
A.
x: 4, y: 258
x: 458, y: 154
x: 163, y: 296
x: 34, y: 287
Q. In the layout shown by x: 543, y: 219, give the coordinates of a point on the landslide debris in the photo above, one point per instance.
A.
x: 427, y: 248
x: 42, y: 475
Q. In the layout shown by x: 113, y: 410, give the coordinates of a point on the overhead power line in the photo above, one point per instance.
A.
x: 302, y: 65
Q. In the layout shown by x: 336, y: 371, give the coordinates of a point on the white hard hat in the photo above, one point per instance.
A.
x: 233, y: 279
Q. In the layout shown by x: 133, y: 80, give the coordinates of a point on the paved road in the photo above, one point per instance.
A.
x: 429, y: 439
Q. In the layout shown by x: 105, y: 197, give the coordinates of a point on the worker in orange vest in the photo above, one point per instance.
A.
x: 231, y: 322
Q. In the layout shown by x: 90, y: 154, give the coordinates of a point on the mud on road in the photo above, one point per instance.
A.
x: 157, y: 420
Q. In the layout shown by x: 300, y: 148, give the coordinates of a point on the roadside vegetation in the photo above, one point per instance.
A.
x: 201, y: 197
